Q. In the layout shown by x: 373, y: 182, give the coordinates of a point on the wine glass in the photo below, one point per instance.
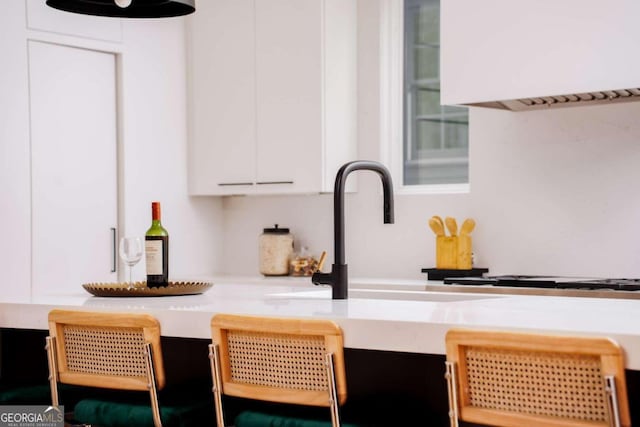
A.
x: 131, y: 252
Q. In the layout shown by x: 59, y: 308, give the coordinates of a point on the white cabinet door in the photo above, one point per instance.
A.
x: 289, y: 93
x: 73, y: 164
x: 222, y: 42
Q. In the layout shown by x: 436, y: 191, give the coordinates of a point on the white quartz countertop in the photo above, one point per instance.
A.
x: 393, y: 315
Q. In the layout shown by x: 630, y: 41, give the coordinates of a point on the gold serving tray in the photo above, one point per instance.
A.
x: 140, y: 289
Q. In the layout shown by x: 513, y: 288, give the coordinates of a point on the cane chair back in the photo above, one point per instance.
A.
x: 517, y: 379
x: 107, y: 350
x: 281, y: 360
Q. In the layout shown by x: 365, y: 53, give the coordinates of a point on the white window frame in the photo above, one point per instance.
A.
x: 392, y: 99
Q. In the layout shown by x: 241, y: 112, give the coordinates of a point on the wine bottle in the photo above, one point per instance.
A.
x: 157, y: 250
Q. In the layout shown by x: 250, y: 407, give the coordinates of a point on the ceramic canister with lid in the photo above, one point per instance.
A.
x: 276, y: 249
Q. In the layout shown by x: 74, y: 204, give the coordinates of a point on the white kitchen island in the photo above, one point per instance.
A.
x: 403, y: 317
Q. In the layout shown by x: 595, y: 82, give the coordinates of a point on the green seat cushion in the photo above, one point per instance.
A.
x: 183, y: 406
x: 259, y: 419
x: 120, y: 414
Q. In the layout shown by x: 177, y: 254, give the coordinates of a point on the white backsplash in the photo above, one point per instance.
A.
x: 555, y: 192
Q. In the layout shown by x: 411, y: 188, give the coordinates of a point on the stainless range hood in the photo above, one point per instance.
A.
x: 566, y: 100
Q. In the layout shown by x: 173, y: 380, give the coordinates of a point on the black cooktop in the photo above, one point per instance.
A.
x: 548, y: 282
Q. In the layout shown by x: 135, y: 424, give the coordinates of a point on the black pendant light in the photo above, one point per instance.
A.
x: 127, y: 8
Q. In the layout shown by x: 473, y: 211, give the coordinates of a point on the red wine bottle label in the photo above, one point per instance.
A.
x: 153, y: 250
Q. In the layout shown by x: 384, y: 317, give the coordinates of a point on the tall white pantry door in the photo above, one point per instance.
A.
x: 73, y: 167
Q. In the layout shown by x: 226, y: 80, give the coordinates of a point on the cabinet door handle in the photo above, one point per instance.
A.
x: 224, y: 184
x: 114, y: 250
x: 273, y: 182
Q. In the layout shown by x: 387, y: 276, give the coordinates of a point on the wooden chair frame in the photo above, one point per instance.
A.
x: 129, y: 358
x: 518, y: 353
x: 226, y: 358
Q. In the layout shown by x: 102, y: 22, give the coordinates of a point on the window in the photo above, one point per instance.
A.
x: 436, y: 143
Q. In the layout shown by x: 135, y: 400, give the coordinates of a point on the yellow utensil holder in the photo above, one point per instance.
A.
x: 464, y: 252
x: 453, y: 252
x: 447, y: 252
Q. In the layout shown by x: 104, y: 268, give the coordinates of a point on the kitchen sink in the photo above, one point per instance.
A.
x: 394, y: 295
x: 414, y: 295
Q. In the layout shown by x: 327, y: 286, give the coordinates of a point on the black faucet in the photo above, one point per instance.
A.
x: 338, y: 278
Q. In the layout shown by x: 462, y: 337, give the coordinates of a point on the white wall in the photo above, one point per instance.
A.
x: 553, y: 192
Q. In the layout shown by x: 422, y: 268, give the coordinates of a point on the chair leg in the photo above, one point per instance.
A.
x: 216, y: 376
x: 612, y: 400
x: 153, y: 391
x: 50, y: 347
x: 333, y: 392
x: 453, y: 395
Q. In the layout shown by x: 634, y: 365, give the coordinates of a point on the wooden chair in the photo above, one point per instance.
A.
x: 518, y: 379
x: 278, y: 360
x: 107, y: 350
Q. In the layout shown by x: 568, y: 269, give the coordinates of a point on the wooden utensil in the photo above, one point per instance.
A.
x: 436, y: 226
x: 323, y: 257
x: 439, y: 219
x: 452, y: 225
x: 467, y: 226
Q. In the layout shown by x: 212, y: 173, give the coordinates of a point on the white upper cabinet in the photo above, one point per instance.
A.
x: 539, y: 51
x: 272, y: 96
